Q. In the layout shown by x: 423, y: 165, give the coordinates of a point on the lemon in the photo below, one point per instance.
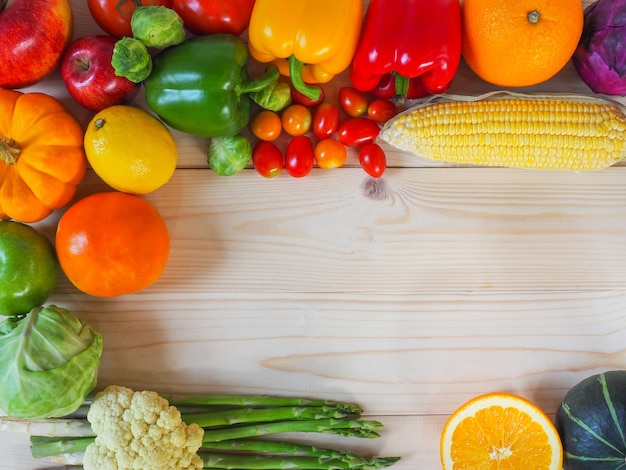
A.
x: 130, y: 149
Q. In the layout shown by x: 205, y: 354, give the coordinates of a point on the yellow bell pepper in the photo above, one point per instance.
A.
x: 310, y: 41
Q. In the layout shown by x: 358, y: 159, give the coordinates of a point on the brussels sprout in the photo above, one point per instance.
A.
x: 274, y: 97
x: 157, y: 26
x: 131, y: 59
x: 48, y: 363
x: 229, y: 155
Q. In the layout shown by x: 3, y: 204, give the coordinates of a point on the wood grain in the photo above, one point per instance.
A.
x: 408, y: 295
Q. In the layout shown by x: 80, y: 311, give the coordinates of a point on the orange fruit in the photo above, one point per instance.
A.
x: 112, y: 243
x: 498, y: 431
x: 520, y: 43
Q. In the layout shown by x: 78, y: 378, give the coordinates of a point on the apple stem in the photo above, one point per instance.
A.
x: 9, y: 150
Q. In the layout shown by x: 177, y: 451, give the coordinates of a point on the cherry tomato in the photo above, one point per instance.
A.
x: 381, y: 110
x: 325, y: 120
x: 352, y: 101
x: 299, y: 98
x: 359, y: 131
x: 296, y: 119
x: 299, y: 156
x: 266, y: 125
x: 113, y: 16
x: 330, y: 153
x: 373, y: 160
x: 386, y: 88
x: 215, y: 16
x: 267, y: 159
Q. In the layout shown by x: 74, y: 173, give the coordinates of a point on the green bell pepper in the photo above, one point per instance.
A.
x: 201, y: 86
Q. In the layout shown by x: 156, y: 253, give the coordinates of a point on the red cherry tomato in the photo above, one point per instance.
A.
x: 373, y: 160
x: 325, y: 120
x: 113, y: 16
x: 352, y: 101
x: 330, y: 153
x: 299, y: 156
x: 296, y: 119
x: 359, y: 131
x: 299, y: 98
x: 381, y: 110
x: 386, y: 88
x: 267, y: 159
x: 215, y: 16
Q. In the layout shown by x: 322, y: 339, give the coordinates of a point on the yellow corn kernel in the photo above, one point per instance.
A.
x: 555, y: 133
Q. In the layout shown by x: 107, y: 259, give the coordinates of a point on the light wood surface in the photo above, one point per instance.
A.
x: 408, y: 295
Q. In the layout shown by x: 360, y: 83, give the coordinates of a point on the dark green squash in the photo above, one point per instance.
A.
x: 591, y: 421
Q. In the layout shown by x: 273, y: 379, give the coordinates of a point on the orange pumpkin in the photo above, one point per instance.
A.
x: 42, y: 159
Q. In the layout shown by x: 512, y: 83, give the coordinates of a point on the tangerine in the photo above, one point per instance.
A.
x: 112, y: 243
x: 498, y: 431
x: 520, y: 43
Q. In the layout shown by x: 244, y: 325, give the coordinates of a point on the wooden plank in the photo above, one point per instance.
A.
x: 414, y: 354
x: 416, y: 230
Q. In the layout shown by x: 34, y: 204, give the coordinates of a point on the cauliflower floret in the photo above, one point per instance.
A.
x: 140, y: 430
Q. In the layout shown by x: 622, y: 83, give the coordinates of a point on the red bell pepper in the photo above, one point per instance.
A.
x: 418, y: 42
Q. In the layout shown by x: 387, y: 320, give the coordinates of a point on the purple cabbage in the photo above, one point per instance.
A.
x: 600, y: 58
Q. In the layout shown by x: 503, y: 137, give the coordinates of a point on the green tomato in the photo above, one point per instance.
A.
x: 28, y: 268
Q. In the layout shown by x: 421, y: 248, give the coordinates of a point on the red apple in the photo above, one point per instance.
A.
x: 89, y: 76
x: 34, y: 35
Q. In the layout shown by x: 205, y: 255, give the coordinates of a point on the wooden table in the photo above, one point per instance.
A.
x: 408, y: 295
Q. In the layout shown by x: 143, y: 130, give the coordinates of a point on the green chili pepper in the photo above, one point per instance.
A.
x: 201, y: 86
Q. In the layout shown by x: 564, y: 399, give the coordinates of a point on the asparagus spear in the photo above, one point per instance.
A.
x: 289, y: 448
x: 344, y: 427
x: 269, y: 462
x: 256, y: 401
x: 260, y: 415
x: 47, y: 427
x: 47, y: 446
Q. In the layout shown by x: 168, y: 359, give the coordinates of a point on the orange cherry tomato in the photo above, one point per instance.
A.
x: 112, y: 243
x: 266, y: 125
x: 296, y: 119
x: 330, y: 153
x: 381, y: 110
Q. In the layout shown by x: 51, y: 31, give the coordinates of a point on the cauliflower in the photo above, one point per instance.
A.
x: 140, y: 430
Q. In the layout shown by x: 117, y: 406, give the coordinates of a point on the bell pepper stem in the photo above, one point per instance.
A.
x: 402, y: 89
x: 295, y: 72
x: 9, y: 150
x: 270, y: 75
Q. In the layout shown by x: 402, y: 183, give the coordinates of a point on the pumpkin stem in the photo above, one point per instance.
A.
x: 533, y: 17
x: 9, y: 150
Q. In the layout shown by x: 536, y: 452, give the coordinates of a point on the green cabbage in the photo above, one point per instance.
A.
x: 48, y: 363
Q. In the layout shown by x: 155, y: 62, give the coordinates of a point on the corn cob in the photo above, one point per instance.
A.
x: 551, y: 132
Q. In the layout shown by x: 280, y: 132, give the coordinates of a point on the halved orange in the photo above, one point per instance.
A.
x: 500, y: 431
